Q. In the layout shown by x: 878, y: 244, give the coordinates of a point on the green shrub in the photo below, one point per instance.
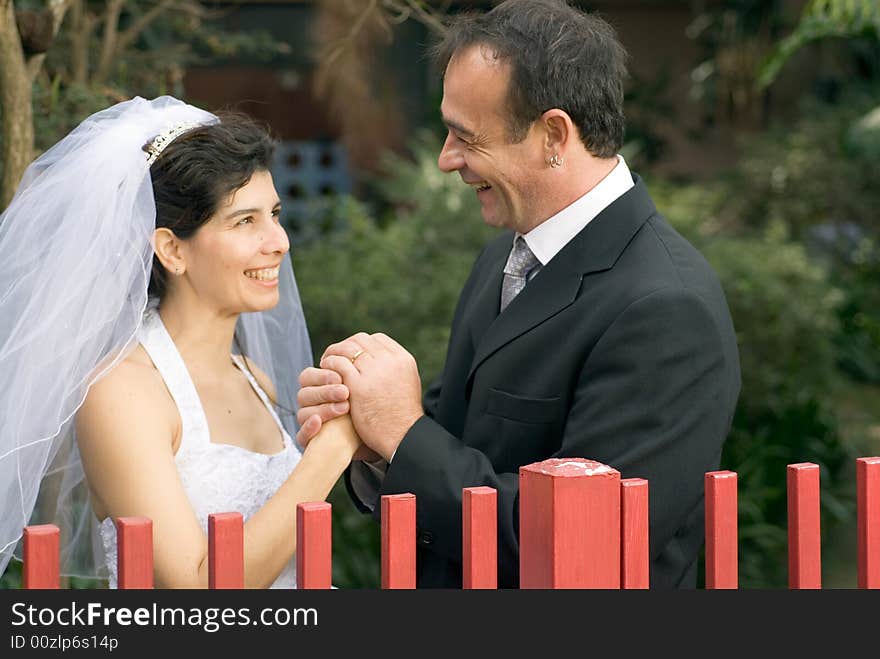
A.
x: 821, y: 168
x: 858, y: 341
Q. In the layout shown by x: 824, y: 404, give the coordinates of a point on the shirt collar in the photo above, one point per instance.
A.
x: 549, y: 237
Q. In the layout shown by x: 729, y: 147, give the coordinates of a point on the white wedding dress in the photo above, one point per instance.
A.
x: 218, y: 478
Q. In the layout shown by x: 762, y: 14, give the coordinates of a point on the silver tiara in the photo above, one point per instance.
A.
x: 166, y: 137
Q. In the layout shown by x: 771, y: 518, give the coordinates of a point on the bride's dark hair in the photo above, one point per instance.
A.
x: 199, y: 170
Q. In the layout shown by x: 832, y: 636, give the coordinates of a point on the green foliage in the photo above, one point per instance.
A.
x: 858, y: 341
x: 730, y: 37
x: 817, y: 180
x: 648, y: 108
x: 11, y: 578
x: 212, y: 45
x: 821, y: 20
x: 57, y: 112
x: 785, y: 310
x: 863, y: 137
x: 820, y: 169
x: 149, y: 65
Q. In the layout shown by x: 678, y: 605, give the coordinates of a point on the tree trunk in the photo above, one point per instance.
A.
x: 82, y: 24
x: 17, y: 129
x: 108, y: 43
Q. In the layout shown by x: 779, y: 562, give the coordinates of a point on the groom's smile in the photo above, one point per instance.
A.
x: 504, y: 171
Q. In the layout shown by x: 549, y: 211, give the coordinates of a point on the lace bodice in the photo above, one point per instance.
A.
x: 217, y: 477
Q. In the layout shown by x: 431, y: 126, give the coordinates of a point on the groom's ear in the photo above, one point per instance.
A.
x: 168, y: 251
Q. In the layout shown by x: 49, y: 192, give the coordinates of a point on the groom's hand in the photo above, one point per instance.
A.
x: 322, y: 397
x: 386, y: 392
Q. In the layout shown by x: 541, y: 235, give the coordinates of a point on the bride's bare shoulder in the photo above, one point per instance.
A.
x: 134, y: 374
x: 131, y: 392
x: 127, y: 430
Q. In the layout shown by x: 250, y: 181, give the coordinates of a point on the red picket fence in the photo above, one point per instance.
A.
x: 581, y: 526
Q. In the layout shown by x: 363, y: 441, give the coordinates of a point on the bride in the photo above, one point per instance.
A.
x: 149, y: 341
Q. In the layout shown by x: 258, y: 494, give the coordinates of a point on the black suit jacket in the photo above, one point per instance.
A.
x: 621, y: 350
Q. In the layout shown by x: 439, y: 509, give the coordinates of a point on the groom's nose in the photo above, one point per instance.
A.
x: 450, y: 158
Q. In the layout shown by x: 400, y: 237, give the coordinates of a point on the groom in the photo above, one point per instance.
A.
x: 589, y: 329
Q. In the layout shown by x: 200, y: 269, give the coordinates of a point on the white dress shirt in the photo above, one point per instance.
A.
x: 548, y: 238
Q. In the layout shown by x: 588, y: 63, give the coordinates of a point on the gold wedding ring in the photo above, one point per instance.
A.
x: 356, y: 355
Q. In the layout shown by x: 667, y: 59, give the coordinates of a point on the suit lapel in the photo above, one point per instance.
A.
x: 544, y: 296
x: 485, y: 305
x: 556, y: 286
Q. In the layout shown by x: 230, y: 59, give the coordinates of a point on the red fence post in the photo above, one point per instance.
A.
x: 635, y: 561
x: 569, y: 511
x: 722, y: 561
x: 225, y: 551
x: 398, y: 541
x: 134, y: 544
x: 314, y: 545
x: 804, y: 538
x: 868, y: 526
x: 41, y: 546
x: 479, y: 538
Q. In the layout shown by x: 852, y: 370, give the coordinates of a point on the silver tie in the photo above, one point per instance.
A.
x: 520, y: 262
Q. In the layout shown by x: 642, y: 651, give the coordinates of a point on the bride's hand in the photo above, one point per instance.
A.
x: 312, y: 428
x: 339, y: 435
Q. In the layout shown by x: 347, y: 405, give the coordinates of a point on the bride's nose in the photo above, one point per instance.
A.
x: 275, y: 240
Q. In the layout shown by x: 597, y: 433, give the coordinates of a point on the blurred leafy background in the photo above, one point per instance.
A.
x: 790, y: 226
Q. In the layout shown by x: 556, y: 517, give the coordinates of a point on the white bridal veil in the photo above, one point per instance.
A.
x: 75, y: 261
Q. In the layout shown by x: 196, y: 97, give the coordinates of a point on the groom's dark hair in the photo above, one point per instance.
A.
x: 559, y: 57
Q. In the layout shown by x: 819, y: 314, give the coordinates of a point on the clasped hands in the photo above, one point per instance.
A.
x: 371, y: 377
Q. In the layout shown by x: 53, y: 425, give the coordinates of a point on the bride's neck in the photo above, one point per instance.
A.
x: 203, y: 335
